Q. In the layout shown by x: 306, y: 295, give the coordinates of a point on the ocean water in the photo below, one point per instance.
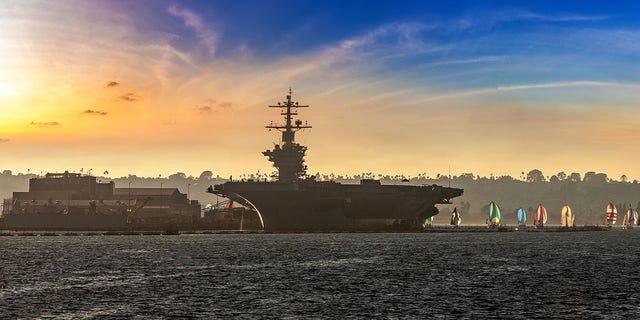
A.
x: 332, y: 276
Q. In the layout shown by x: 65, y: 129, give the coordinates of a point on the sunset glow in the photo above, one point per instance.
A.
x: 156, y: 87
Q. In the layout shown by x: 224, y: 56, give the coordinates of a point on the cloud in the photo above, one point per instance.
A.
x: 169, y: 123
x: 465, y: 61
x: 492, y: 18
x: 213, y: 106
x: 614, y: 41
x: 204, y: 109
x: 476, y: 92
x: 112, y: 84
x: 3, y: 140
x: 390, y: 40
x: 527, y: 15
x: 194, y: 21
x: 371, y: 50
x: 95, y: 112
x: 45, y: 124
x: 130, y: 97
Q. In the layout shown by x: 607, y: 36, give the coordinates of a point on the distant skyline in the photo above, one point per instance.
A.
x: 158, y: 87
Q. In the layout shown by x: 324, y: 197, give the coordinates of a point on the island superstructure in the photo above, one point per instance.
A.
x: 297, y: 202
x: 289, y: 156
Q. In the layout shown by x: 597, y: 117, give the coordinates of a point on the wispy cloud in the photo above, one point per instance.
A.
x: 3, y: 140
x: 459, y: 94
x: 386, y: 41
x: 95, y: 112
x: 369, y: 50
x: 45, y: 124
x: 376, y: 98
x: 528, y: 15
x: 112, y: 84
x: 130, y: 97
x: 191, y: 19
x: 613, y: 41
x: 489, y: 19
x: 465, y: 61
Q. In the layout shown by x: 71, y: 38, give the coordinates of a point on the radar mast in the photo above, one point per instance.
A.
x: 289, y: 156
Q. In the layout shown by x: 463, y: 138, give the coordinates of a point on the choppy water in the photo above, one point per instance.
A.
x: 461, y: 275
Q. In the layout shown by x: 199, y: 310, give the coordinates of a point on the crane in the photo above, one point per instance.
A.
x: 132, y: 213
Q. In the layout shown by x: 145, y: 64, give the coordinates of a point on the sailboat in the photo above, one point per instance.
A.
x: 455, y: 218
x: 540, y: 216
x: 567, y: 218
x: 612, y: 214
x: 494, y: 214
x: 522, y: 217
x: 630, y: 219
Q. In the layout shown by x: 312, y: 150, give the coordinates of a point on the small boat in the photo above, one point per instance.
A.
x: 455, y: 218
x: 540, y: 216
x: 567, y: 218
x: 230, y: 216
x: 428, y: 222
x: 612, y: 214
x: 522, y: 216
x: 494, y: 215
x: 630, y: 219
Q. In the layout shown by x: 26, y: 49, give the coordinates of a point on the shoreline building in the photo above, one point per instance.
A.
x: 72, y: 200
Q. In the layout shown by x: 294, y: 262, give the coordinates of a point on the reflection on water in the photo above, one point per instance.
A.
x: 482, y: 275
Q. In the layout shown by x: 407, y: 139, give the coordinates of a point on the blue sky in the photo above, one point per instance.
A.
x: 465, y: 45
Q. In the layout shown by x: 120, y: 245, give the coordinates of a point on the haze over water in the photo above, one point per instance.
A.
x: 483, y: 275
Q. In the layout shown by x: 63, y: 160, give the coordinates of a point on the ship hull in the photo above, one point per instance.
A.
x: 330, y: 206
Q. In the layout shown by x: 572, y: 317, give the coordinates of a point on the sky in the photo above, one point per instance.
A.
x: 152, y: 88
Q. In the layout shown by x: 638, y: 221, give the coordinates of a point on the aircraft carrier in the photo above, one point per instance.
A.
x: 296, y: 202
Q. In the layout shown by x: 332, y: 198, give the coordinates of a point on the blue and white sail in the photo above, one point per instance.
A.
x: 522, y: 216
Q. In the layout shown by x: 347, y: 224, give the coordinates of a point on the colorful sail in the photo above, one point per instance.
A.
x: 612, y: 213
x: 455, y: 217
x: 540, y: 216
x: 522, y: 216
x: 494, y: 214
x: 625, y: 219
x: 631, y: 218
x: 571, y: 221
x: 566, y: 220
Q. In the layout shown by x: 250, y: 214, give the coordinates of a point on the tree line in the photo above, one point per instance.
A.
x: 587, y: 194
